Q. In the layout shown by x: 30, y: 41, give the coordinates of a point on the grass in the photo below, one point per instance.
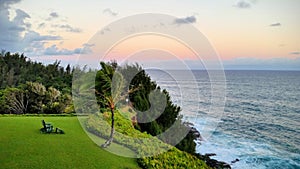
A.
x: 23, y: 146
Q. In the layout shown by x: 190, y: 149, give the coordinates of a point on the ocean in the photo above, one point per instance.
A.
x: 256, y: 122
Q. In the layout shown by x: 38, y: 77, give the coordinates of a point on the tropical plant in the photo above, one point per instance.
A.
x: 108, y: 88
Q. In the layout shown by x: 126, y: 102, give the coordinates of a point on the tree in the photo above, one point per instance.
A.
x: 83, y: 91
x: 10, y: 77
x: 68, y: 69
x: 53, y: 102
x: 16, y: 69
x: 108, y: 88
x: 16, y: 100
x: 137, y: 77
x: 53, y: 94
x: 32, y: 79
x: 36, y: 95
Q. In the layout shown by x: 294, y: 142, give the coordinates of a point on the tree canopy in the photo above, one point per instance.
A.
x: 31, y: 87
x: 146, y: 97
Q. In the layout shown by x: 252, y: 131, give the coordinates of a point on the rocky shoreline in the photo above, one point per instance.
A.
x: 212, y: 162
x: 206, y: 157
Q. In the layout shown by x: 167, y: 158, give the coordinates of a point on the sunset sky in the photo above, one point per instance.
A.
x: 246, y: 34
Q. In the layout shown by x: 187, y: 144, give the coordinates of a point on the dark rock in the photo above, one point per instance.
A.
x: 210, y: 154
x: 189, y: 124
x: 196, y: 133
x: 212, y: 162
x: 234, y: 161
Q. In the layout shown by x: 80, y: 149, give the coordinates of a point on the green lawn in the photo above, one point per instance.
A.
x: 23, y: 146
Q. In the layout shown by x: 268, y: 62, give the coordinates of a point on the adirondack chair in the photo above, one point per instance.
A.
x: 47, y: 127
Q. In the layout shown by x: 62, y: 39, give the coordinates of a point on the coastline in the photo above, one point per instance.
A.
x: 206, y: 157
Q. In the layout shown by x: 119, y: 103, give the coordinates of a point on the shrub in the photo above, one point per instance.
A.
x: 128, y: 136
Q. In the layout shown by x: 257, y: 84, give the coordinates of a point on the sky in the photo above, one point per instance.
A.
x: 245, y: 34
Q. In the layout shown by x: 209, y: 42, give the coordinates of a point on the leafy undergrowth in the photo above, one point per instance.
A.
x: 23, y: 146
x: 151, y: 152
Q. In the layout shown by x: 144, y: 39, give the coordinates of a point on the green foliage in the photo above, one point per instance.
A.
x: 14, y: 100
x: 34, y: 98
x: 137, y: 78
x: 126, y: 135
x: 145, y: 96
x: 16, y: 69
x: 174, y: 158
x: 108, y: 86
x: 108, y: 90
x: 36, y: 93
x: 3, y: 107
x: 187, y: 144
x: 83, y: 90
x: 30, y: 87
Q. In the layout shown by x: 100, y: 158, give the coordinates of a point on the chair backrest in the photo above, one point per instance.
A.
x: 44, y: 124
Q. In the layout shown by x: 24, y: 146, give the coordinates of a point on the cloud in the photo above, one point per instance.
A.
x: 275, y: 24
x: 33, y: 43
x: 32, y: 36
x: 54, y: 15
x: 88, y: 45
x: 17, y: 25
x: 6, y: 3
x: 295, y: 53
x: 186, y: 20
x: 20, y: 17
x: 11, y: 30
x: 16, y: 35
x: 243, y: 4
x: 41, y: 25
x: 68, y: 28
x: 110, y: 12
x: 54, y: 50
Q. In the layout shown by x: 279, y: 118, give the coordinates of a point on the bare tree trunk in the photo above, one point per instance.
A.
x: 112, y: 132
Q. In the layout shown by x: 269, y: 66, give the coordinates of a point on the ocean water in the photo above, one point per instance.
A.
x: 257, y: 120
